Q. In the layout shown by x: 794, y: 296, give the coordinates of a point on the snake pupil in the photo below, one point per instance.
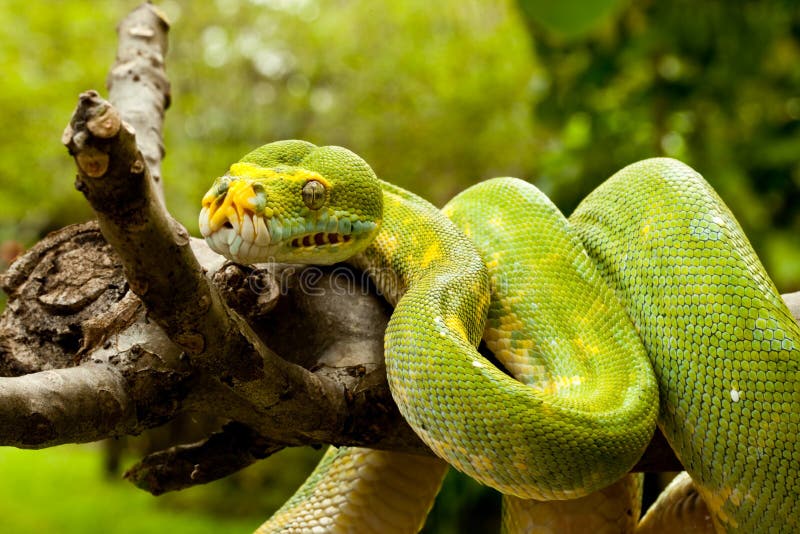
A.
x: 314, y: 194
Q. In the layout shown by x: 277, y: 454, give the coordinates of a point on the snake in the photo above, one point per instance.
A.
x: 648, y: 306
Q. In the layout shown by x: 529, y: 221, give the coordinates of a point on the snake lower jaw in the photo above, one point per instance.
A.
x: 228, y: 243
x: 250, y: 239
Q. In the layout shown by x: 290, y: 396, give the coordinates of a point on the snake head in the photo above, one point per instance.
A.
x: 293, y: 202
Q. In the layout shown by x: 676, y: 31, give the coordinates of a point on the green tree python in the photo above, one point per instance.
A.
x: 647, y: 305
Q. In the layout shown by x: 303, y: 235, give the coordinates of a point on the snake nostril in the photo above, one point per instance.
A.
x: 227, y: 224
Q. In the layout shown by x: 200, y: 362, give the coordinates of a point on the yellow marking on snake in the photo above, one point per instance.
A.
x: 238, y: 199
x: 253, y: 171
x: 432, y: 253
x: 559, y: 383
x: 586, y: 348
x: 454, y: 324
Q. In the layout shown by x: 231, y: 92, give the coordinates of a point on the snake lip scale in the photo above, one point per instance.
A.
x: 248, y: 240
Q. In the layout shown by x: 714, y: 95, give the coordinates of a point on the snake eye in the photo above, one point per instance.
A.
x: 314, y: 194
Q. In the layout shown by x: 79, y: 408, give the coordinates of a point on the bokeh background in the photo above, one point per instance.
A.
x: 436, y: 96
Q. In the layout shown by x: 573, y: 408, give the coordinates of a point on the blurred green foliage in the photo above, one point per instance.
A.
x: 435, y: 96
x: 714, y: 84
x: 402, y: 84
x: 64, y: 491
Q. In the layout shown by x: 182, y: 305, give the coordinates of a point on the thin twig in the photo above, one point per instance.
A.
x: 223, y: 453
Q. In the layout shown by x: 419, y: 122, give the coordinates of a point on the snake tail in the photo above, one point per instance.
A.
x: 361, y: 491
x: 614, y: 509
x: 679, y: 508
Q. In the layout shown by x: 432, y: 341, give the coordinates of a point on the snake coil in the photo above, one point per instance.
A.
x: 648, y: 303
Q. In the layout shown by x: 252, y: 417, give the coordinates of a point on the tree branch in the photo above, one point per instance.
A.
x: 222, y: 454
x: 62, y: 406
x: 138, y: 85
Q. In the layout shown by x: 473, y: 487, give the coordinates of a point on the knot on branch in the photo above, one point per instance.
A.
x: 60, y: 294
x: 251, y: 291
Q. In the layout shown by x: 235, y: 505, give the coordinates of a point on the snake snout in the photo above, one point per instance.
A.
x: 227, y: 202
x: 232, y: 220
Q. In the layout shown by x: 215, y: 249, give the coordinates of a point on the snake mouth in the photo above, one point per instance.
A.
x: 243, y: 238
x: 247, y: 237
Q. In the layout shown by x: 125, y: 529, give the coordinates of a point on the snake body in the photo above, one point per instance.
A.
x: 724, y: 347
x: 362, y: 491
x: 722, y: 344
